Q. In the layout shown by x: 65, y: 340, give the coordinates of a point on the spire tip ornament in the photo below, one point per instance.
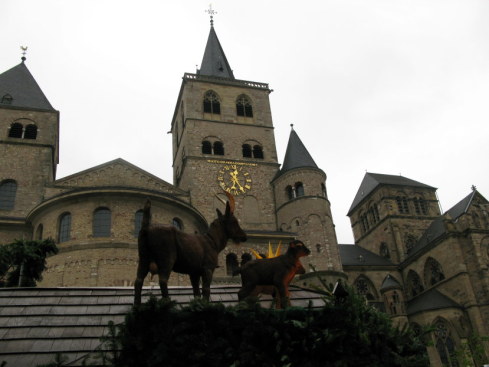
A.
x: 211, y: 12
x: 24, y: 51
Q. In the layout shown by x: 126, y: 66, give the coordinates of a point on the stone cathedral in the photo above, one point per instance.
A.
x: 410, y: 260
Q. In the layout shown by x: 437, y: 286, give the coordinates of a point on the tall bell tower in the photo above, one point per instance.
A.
x: 29, y: 135
x: 223, y: 139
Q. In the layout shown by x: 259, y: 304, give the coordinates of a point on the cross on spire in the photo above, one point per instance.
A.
x: 211, y: 12
x: 24, y: 51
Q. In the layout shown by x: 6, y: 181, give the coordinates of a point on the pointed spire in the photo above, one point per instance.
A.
x: 22, y: 89
x: 296, y: 155
x: 214, y: 62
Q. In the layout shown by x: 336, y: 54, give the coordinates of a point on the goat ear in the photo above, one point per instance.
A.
x: 219, y: 214
x: 228, y: 209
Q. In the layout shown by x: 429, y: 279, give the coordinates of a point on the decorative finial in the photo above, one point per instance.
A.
x: 292, y: 126
x: 473, y: 188
x: 24, y: 51
x: 211, y: 12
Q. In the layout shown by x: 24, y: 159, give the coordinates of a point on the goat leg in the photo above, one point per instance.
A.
x: 195, y: 280
x: 143, y: 268
x: 206, y: 283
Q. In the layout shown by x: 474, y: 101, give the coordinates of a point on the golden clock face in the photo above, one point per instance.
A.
x: 234, y: 179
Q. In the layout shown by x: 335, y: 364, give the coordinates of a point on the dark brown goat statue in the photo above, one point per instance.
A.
x: 165, y: 249
x: 276, y: 271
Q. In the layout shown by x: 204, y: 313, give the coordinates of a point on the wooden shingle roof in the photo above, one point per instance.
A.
x: 38, y: 323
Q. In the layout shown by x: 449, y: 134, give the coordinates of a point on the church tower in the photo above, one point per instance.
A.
x: 29, y: 136
x: 390, y: 213
x: 303, y: 208
x: 223, y: 139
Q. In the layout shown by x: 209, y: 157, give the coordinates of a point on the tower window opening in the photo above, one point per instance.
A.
x: 16, y: 130
x: 212, y: 103
x: 402, y: 204
x: 247, y: 151
x: 258, y: 152
x: 244, y: 107
x: 8, y: 190
x: 290, y: 192
x: 206, y: 147
x: 299, y: 189
x: 218, y: 148
x: 30, y: 132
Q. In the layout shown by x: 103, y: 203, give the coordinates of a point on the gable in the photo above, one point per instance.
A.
x: 116, y: 173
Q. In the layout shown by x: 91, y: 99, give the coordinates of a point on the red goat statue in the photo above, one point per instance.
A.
x: 277, y: 272
x: 166, y: 249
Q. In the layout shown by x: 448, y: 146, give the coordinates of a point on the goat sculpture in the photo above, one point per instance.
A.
x: 278, y: 272
x: 166, y: 249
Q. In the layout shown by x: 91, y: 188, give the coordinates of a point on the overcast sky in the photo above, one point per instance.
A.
x: 394, y: 87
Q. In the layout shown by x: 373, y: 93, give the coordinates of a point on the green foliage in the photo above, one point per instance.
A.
x: 28, y: 257
x: 347, y: 333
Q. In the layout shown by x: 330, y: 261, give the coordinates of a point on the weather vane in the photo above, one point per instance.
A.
x: 211, y: 12
x: 24, y: 51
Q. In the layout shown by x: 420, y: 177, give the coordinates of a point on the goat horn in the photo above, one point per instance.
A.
x: 231, y: 201
x: 221, y: 199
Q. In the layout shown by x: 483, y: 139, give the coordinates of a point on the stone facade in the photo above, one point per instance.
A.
x: 409, y: 260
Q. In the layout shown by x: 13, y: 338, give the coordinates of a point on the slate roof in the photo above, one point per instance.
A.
x: 372, y: 180
x: 214, y: 62
x: 296, y: 155
x: 19, y: 83
x: 437, y: 227
x: 389, y: 283
x: 37, y: 323
x: 356, y: 255
x: 430, y: 300
x: 463, y: 205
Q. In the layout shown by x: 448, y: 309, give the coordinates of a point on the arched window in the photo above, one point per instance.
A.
x: 247, y: 151
x: 30, y: 132
x: 138, y: 220
x: 384, y: 250
x: 257, y: 152
x: 402, y: 204
x: 444, y: 344
x: 414, y: 284
x: 290, y: 192
x: 433, y: 273
x: 39, y: 231
x: 206, y: 147
x: 365, y: 287
x: 102, y: 222
x: 177, y: 223
x: 299, y: 189
x: 231, y: 263
x: 218, y: 148
x: 243, y: 106
x: 420, y: 206
x: 8, y: 190
x: 212, y: 103
x: 64, y: 231
x: 16, y: 130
